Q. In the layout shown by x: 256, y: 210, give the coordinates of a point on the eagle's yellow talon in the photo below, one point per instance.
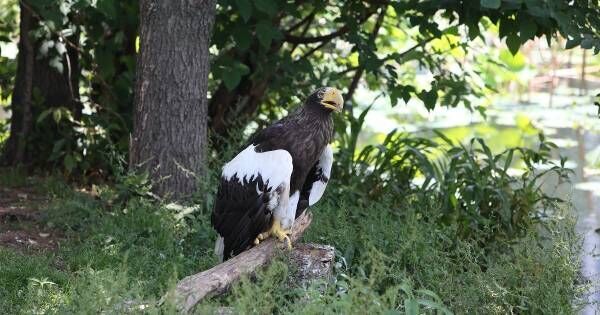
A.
x: 281, y: 234
x: 263, y: 236
x: 256, y: 241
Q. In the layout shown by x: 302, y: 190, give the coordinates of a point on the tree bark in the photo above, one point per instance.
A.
x: 29, y: 142
x: 170, y: 116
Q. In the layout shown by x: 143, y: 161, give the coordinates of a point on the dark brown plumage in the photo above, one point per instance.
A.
x: 246, y: 201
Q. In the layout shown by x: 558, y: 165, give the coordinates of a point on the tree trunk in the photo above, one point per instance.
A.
x: 29, y: 142
x: 170, y: 115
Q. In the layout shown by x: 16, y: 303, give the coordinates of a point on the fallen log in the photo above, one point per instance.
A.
x: 217, y: 280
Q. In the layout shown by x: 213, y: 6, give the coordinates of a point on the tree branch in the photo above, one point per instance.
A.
x: 361, y: 69
x: 312, y: 50
x: 58, y: 34
x: 303, y: 21
x: 308, y: 40
x: 216, y: 280
x: 306, y: 28
x: 315, y: 39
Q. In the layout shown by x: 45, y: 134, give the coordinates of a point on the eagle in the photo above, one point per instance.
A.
x: 281, y: 170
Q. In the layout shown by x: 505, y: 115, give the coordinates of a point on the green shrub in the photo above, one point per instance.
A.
x: 478, y: 195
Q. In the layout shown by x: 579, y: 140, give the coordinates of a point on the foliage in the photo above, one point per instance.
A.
x: 297, y: 47
x: 375, y: 169
x: 478, y: 194
x: 8, y: 31
x: 269, y: 53
x: 473, y: 184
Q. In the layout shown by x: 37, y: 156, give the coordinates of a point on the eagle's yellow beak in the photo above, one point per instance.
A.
x: 332, y: 99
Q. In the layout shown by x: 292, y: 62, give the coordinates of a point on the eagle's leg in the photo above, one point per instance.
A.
x: 283, y: 218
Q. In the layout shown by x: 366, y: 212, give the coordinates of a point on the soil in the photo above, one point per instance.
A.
x: 21, y: 225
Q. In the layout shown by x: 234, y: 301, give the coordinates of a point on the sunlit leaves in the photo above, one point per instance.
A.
x: 513, y: 62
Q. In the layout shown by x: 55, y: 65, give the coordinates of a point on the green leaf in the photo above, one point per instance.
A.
x: 266, y: 32
x: 232, y: 74
x: 245, y: 8
x: 515, y: 62
x: 411, y: 307
x: 267, y: 6
x: 429, y: 98
x: 69, y: 163
x: 474, y: 31
x: 527, y: 27
x: 107, y: 7
x: 587, y: 43
x: 57, y: 115
x: 44, y: 114
x: 491, y: 4
x: 514, y: 43
x: 572, y: 43
x: 507, y: 26
x: 241, y: 35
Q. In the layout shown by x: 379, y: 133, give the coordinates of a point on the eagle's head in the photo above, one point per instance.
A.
x: 326, y: 98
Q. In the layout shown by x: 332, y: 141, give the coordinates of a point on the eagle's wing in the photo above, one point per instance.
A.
x: 250, y: 189
x: 316, y: 181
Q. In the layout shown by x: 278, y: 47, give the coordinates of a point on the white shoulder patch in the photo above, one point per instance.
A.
x: 273, y: 166
x: 324, y: 166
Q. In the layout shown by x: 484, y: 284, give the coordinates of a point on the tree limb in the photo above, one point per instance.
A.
x: 315, y: 39
x: 359, y: 72
x: 306, y: 27
x: 313, y: 50
x: 216, y: 280
x: 302, y: 22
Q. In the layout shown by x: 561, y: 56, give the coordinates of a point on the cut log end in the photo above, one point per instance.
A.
x: 312, y: 262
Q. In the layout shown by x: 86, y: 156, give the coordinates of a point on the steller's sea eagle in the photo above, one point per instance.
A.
x: 282, y: 170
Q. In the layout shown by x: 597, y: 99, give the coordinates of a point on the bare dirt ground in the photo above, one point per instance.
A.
x: 21, y: 226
